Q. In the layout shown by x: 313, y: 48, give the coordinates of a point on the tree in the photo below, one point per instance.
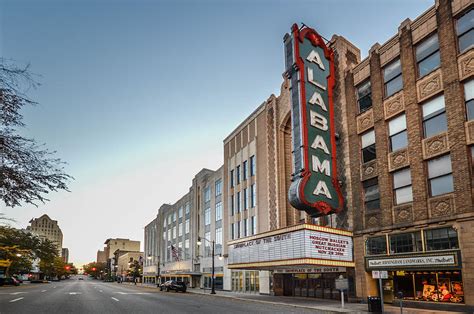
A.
x: 95, y: 269
x: 28, y: 170
x: 134, y: 270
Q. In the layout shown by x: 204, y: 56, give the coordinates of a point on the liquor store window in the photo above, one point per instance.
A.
x: 402, y: 186
x: 441, y: 239
x: 440, y: 177
x: 469, y: 98
x: 397, y: 129
x: 434, y: 117
x: 427, y: 55
x: 368, y: 146
x: 364, y: 96
x: 371, y: 194
x: 392, y: 78
x: 405, y: 242
x: 465, y: 31
x: 376, y: 246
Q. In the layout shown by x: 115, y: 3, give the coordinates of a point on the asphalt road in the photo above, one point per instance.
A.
x: 93, y: 296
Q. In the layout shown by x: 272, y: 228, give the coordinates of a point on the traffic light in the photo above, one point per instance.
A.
x: 68, y: 267
x: 94, y: 269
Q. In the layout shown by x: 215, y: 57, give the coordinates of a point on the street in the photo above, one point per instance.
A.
x: 93, y: 296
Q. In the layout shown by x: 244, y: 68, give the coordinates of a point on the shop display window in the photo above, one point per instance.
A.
x: 376, y: 246
x: 441, y: 239
x: 405, y: 242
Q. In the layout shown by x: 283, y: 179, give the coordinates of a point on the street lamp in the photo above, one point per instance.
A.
x: 213, y: 289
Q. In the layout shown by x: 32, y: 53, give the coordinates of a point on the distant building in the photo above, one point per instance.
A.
x: 65, y: 255
x: 46, y: 228
x: 151, y: 263
x: 101, y: 257
x: 124, y: 259
x: 112, y: 245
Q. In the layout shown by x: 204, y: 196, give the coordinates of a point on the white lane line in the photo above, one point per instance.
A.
x: 101, y: 291
x: 112, y: 299
x: 54, y: 287
x: 15, y: 293
x: 14, y: 300
x: 44, y: 290
x: 75, y: 293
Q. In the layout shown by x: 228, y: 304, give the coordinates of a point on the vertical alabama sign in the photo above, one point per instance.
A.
x: 310, y: 69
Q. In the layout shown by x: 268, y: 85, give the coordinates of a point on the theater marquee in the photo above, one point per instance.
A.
x: 302, y: 245
x: 310, y: 68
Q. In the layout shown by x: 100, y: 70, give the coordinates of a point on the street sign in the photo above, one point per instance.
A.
x: 380, y: 274
x: 342, y: 284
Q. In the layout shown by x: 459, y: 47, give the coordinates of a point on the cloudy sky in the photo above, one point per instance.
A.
x: 138, y: 95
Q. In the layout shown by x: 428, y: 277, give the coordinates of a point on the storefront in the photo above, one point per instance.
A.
x: 302, y: 260
x: 423, y: 265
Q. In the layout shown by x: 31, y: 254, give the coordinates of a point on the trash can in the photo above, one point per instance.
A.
x: 375, y: 304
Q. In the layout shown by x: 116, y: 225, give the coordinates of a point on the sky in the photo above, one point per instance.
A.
x: 138, y: 95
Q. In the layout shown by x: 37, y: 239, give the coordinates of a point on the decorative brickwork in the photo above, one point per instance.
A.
x: 369, y: 170
x: 394, y: 105
x: 469, y: 125
x: 365, y: 121
x: 466, y: 65
x: 435, y: 145
x: 403, y: 213
x: 398, y: 159
x: 429, y: 85
x: 442, y: 206
x: 372, y: 221
x: 272, y: 202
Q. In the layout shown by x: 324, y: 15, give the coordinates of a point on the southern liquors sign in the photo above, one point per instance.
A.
x: 310, y: 68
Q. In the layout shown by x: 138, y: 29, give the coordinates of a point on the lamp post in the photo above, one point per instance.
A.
x: 213, y: 289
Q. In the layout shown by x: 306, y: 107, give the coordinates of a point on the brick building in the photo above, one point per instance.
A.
x: 409, y: 110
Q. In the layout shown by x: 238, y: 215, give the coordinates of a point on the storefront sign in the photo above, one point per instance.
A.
x: 310, y: 69
x: 342, y: 284
x: 293, y: 245
x: 380, y: 274
x: 310, y: 270
x: 430, y: 260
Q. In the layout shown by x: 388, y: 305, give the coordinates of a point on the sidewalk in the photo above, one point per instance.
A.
x: 319, y: 305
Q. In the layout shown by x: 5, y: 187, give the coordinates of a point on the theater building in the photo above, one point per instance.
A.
x: 410, y: 111
x: 270, y: 247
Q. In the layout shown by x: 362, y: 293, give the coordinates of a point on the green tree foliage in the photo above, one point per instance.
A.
x: 95, y: 269
x: 135, y: 269
x: 28, y: 171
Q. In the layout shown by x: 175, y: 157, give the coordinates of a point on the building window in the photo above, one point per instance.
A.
x: 218, y: 187
x: 252, y: 166
x: 186, y: 226
x: 232, y: 209
x: 440, y: 177
x: 180, y: 230
x: 180, y: 212
x: 253, y: 196
x: 434, y: 117
x: 207, y: 194
x: 188, y: 208
x: 186, y: 249
x: 368, y: 146
x: 427, y: 55
x: 232, y: 230
x: 405, y: 242
x: 254, y: 225
x: 245, y: 227
x: 218, y: 211
x: 465, y: 31
x: 376, y: 246
x: 169, y: 220
x: 398, y: 133
x: 402, y: 186
x: 392, y: 78
x: 207, y: 244
x: 246, y: 199
x: 218, y: 241
x: 232, y: 178
x: 174, y: 232
x: 244, y: 170
x: 441, y: 239
x: 169, y: 234
x: 207, y: 216
x: 238, y: 202
x: 469, y: 98
x: 364, y: 96
x: 371, y: 194
x: 237, y: 174
x: 237, y: 231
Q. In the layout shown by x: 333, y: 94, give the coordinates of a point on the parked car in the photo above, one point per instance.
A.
x: 10, y: 281
x: 173, y: 285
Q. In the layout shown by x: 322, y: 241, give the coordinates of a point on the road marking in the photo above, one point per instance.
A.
x: 101, y: 291
x: 44, y: 290
x: 54, y: 287
x: 133, y: 292
x: 112, y: 299
x: 15, y: 293
x: 14, y: 300
x: 75, y: 292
